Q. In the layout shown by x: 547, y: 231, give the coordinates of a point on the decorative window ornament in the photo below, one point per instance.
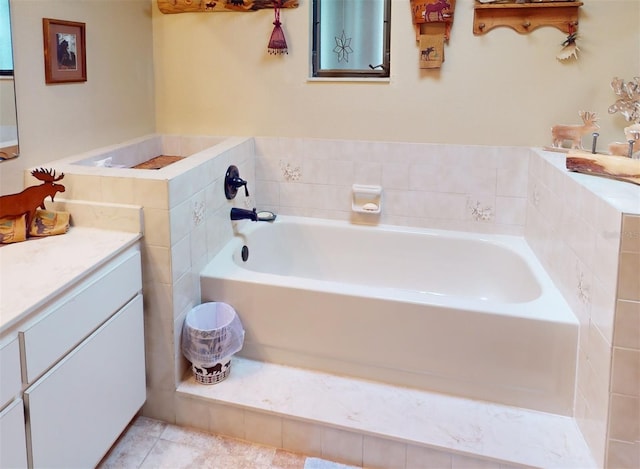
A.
x: 343, y: 47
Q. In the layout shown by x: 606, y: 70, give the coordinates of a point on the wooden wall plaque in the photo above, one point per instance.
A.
x: 211, y: 6
x: 525, y: 17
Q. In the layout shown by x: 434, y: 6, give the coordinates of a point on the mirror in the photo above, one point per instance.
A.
x: 8, y: 118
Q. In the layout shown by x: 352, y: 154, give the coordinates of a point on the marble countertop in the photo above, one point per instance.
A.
x: 34, y: 272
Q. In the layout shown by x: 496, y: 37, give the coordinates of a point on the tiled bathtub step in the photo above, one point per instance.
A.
x: 363, y: 422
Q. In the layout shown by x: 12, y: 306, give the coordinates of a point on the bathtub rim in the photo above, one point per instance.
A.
x: 223, y: 266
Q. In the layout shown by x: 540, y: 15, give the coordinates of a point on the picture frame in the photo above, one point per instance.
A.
x: 65, y: 59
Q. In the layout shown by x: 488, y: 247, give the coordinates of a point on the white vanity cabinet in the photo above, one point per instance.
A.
x: 79, y: 407
x: 13, y: 448
x: 83, y: 367
x: 10, y: 380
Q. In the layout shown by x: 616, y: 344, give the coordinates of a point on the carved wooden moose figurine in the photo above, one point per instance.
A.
x: 27, y: 202
x: 574, y: 133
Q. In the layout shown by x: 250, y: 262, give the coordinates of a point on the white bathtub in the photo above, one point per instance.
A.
x: 465, y: 314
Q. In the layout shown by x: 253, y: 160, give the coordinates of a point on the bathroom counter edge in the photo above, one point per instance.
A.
x: 35, y: 272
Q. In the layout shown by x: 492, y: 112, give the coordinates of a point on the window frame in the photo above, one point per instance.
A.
x: 374, y: 71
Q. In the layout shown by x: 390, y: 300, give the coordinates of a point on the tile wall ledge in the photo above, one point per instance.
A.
x: 195, y: 148
x: 623, y: 196
x: 101, y: 215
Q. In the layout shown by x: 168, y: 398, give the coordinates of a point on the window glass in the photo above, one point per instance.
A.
x: 351, y: 38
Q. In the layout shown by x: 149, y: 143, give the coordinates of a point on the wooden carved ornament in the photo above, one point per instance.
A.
x: 26, y: 203
x: 211, y: 6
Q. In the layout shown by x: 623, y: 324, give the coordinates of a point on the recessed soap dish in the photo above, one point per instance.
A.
x: 366, y: 199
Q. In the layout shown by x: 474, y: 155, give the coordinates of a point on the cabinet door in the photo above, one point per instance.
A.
x: 79, y: 407
x: 13, y: 447
x: 80, y: 313
x: 10, y: 377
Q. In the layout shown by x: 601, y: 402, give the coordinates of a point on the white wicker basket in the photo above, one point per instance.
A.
x: 214, y: 374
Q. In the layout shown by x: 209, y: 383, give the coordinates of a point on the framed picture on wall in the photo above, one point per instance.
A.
x: 65, y: 59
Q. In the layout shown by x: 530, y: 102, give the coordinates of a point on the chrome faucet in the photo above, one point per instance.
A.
x: 243, y: 214
x: 233, y: 181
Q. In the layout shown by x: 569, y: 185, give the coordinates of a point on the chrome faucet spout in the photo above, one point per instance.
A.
x: 243, y: 214
x: 253, y: 215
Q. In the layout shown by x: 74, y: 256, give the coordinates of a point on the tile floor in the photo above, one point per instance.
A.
x: 149, y: 443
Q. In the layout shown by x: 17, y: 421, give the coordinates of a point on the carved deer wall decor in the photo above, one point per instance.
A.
x: 574, y: 133
x: 27, y: 202
x: 438, y: 8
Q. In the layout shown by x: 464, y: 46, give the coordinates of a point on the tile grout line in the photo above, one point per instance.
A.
x: 157, y: 439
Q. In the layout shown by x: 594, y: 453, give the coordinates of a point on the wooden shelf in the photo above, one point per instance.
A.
x: 209, y: 6
x: 525, y: 17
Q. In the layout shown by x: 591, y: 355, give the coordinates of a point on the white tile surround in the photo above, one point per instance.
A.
x: 573, y: 222
x: 458, y: 187
x: 262, y: 402
x: 185, y: 223
x: 586, y: 232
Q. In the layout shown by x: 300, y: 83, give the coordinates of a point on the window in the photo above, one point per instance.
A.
x: 6, y: 56
x: 351, y: 38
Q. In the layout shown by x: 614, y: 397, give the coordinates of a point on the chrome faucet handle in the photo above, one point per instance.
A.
x: 232, y: 181
x: 238, y: 182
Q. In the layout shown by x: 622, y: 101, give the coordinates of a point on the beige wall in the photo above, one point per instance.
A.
x: 115, y: 104
x: 214, y: 76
